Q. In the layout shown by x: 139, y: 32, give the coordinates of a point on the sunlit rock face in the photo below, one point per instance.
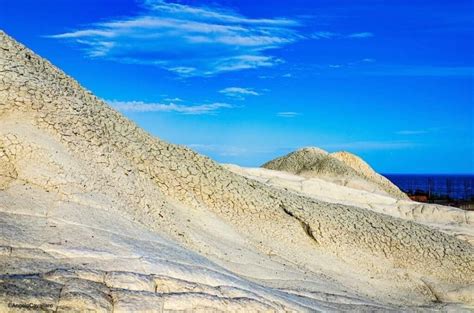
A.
x: 95, y: 214
x: 342, y: 168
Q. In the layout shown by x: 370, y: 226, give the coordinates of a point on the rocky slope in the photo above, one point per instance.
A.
x: 97, y: 214
x: 342, y: 168
x: 454, y: 221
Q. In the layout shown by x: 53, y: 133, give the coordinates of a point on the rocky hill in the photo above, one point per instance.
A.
x: 342, y: 168
x: 96, y: 214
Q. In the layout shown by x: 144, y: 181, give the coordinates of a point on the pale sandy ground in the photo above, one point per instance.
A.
x: 96, y: 214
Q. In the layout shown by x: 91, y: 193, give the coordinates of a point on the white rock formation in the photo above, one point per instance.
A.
x: 342, y: 168
x: 454, y: 221
x: 95, y: 214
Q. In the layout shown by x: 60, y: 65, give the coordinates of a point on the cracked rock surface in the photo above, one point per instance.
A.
x: 342, y: 168
x: 454, y: 221
x: 96, y: 214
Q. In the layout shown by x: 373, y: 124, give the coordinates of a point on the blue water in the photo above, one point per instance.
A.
x: 460, y: 187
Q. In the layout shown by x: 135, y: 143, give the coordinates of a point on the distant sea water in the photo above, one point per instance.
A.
x: 458, y: 187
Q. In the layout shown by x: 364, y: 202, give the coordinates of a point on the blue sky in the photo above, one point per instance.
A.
x: 246, y: 81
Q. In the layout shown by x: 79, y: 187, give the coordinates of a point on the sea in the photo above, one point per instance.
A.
x: 456, y: 187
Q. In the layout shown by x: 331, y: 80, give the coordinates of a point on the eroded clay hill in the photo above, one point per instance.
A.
x: 343, y: 168
x: 97, y: 214
x: 451, y: 220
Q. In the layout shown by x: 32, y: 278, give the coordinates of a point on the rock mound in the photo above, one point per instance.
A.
x: 342, y: 168
x: 364, y: 169
x: 310, y: 161
x: 96, y: 214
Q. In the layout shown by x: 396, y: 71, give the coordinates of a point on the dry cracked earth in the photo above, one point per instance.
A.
x: 98, y: 215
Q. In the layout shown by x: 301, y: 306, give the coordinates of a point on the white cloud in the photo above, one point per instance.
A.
x: 173, y: 99
x: 139, y: 106
x: 325, y: 35
x: 334, y: 35
x: 352, y: 64
x: 288, y: 114
x: 238, y: 92
x: 187, y: 40
x: 411, y: 132
x: 361, y: 35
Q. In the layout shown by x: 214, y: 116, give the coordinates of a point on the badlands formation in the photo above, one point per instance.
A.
x: 342, y: 168
x: 98, y: 215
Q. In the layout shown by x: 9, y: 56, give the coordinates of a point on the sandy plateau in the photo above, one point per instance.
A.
x: 98, y: 215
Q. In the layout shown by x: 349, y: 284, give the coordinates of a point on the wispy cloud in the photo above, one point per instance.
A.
x: 351, y: 64
x: 429, y: 130
x: 411, y: 132
x: 139, y: 106
x: 335, y: 35
x: 361, y: 35
x: 288, y: 114
x: 173, y: 99
x: 238, y: 92
x: 325, y: 35
x: 187, y: 40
